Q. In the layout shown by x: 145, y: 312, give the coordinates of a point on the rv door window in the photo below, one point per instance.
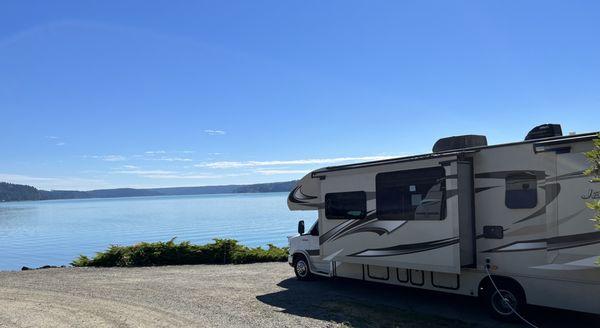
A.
x: 411, y: 195
x: 346, y: 205
x: 521, y: 191
x: 314, y: 231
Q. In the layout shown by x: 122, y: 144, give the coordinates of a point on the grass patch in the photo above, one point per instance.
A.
x: 221, y: 251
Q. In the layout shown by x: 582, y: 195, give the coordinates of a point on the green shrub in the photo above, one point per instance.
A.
x: 254, y: 255
x: 221, y: 251
x: 594, y: 171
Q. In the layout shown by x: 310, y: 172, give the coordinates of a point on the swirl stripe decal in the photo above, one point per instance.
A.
x: 406, y: 248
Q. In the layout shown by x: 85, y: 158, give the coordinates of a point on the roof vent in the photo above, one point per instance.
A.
x: 544, y: 131
x: 459, y: 142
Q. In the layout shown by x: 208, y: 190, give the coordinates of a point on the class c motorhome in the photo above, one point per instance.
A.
x: 460, y: 218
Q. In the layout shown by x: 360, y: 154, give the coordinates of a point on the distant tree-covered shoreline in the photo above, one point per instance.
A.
x: 15, y: 192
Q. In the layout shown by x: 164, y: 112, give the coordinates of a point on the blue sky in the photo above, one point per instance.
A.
x: 148, y: 94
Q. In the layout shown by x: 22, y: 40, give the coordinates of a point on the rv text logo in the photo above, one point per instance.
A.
x: 592, y: 194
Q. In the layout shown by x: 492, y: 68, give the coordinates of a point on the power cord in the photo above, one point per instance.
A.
x: 505, y: 300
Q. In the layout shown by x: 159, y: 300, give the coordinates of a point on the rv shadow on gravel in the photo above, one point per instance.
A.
x: 364, y: 304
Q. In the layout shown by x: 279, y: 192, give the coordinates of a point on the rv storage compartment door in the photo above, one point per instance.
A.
x: 418, y: 215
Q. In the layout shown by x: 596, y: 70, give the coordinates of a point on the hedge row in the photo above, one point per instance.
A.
x: 221, y: 251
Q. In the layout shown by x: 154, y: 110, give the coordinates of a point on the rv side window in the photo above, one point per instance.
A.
x: 411, y: 195
x: 346, y: 205
x: 521, y: 191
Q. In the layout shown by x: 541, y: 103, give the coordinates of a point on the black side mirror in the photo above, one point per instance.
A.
x: 301, y: 227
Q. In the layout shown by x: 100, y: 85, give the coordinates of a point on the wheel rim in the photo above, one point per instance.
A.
x: 301, y: 268
x: 500, y: 300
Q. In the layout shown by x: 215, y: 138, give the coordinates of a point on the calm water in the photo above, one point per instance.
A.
x: 55, y: 232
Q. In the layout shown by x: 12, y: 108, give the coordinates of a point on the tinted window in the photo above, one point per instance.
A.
x: 315, y: 229
x: 411, y: 195
x: 521, y: 191
x: 346, y: 205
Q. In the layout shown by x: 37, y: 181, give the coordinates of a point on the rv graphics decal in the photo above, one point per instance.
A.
x: 376, y: 226
x: 368, y: 224
x: 298, y: 197
x: 337, y: 229
x: 372, y: 224
x: 407, y: 248
x: 591, y: 194
x: 572, y: 175
x: 539, y: 228
x: 504, y: 174
x: 550, y: 244
x: 453, y: 192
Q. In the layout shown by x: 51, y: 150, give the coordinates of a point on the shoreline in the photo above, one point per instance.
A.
x: 140, y: 197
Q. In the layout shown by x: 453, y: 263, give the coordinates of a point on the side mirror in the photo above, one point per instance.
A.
x: 301, y: 227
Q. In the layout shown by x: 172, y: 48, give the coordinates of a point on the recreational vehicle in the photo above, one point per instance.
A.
x: 507, y: 223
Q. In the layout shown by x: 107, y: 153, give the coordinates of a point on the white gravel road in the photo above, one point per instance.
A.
x: 256, y: 295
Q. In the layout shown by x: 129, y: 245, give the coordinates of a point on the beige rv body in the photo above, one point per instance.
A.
x: 550, y: 248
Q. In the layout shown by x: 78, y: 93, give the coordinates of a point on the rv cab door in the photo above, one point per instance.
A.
x: 310, y: 242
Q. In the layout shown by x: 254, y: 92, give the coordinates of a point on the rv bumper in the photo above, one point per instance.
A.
x: 291, y: 260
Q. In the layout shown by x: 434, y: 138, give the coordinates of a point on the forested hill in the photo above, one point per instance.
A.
x: 16, y: 192
x: 11, y: 192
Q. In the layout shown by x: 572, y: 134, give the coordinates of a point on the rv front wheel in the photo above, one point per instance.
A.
x: 505, y: 302
x: 301, y: 268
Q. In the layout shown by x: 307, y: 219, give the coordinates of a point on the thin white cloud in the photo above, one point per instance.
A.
x: 277, y: 172
x: 152, y: 155
x: 56, y: 140
x: 147, y: 156
x: 166, y: 174
x: 107, y: 158
x: 155, y: 174
x: 182, y: 176
x: 158, y: 174
x: 113, y: 158
x: 144, y: 172
x: 18, y: 178
x: 313, y: 161
x: 171, y: 159
x: 215, y: 132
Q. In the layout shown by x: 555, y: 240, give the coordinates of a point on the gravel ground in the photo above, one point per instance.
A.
x: 255, y: 295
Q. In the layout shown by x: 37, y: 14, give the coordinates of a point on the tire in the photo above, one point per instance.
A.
x: 496, y: 303
x: 301, y: 268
